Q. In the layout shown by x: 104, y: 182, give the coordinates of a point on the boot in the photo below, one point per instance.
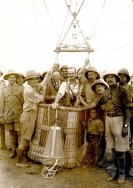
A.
x: 25, y: 153
x: 20, y: 156
x: 13, y: 154
x: 121, y: 167
x: 114, y: 161
x: 96, y: 163
x: 2, y: 137
x: 112, y: 170
x: 16, y: 139
x: 13, y: 144
x: 131, y: 171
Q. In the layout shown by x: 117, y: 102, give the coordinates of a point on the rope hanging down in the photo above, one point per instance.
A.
x: 98, y: 18
x: 38, y: 35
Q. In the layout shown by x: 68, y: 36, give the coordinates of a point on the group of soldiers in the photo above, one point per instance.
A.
x: 109, y: 101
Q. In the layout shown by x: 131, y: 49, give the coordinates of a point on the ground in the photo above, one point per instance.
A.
x: 79, y: 177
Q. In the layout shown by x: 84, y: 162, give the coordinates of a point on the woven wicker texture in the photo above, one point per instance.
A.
x: 73, y: 133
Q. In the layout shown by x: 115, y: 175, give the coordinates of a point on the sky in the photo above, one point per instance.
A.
x: 30, y: 31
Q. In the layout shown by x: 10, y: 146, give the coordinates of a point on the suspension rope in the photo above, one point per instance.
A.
x: 106, y: 29
x: 62, y: 28
x: 111, y: 27
x: 114, y: 48
x: 98, y: 17
x: 50, y: 18
x: 38, y: 35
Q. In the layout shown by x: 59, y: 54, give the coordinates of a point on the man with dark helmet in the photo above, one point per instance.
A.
x: 124, y: 82
x: 115, y: 101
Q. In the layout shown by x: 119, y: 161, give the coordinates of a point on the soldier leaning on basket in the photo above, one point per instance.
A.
x: 91, y: 75
x: 115, y: 101
x: 124, y: 82
x: 68, y: 91
x: 56, y: 80
x: 64, y: 73
x: 11, y: 106
x: 2, y: 128
x: 95, y: 133
x: 29, y: 115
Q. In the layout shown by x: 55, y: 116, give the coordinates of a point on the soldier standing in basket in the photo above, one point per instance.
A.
x: 2, y: 127
x: 29, y: 115
x: 68, y: 91
x: 115, y: 101
x: 11, y: 106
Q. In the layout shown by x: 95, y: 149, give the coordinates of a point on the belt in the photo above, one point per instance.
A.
x: 114, y: 114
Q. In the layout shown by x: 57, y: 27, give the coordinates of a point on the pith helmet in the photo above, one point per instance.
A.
x: 39, y: 74
x: 111, y: 73
x: 10, y: 72
x: 92, y: 69
x: 21, y: 74
x: 125, y: 72
x: 98, y: 81
x: 64, y: 67
x: 30, y: 74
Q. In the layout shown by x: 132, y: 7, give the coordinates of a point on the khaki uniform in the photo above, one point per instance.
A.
x: 11, y: 106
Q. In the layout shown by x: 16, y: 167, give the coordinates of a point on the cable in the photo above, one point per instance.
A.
x: 62, y: 28
x: 38, y: 35
x: 98, y: 17
x: 106, y: 29
x: 51, y: 18
x: 114, y: 48
x: 111, y: 27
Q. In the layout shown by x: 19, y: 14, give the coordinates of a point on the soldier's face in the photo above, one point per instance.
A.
x: 64, y: 72
x: 111, y: 80
x: 32, y: 82
x: 56, y: 76
x: 71, y: 73
x: 92, y: 76
x: 99, y: 88
x: 20, y: 80
x: 93, y: 113
x: 123, y: 78
x: 12, y: 79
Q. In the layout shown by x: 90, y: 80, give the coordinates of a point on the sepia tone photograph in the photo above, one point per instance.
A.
x: 66, y: 93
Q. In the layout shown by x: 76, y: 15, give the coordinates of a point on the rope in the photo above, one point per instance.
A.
x: 38, y: 35
x: 111, y: 27
x: 105, y: 30
x: 50, y: 18
x: 114, y: 48
x: 98, y: 17
x: 62, y: 28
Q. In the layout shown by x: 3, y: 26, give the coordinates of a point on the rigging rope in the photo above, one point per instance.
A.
x: 50, y: 18
x: 38, y: 35
x: 105, y: 29
x: 114, y: 48
x: 62, y: 28
x: 98, y: 17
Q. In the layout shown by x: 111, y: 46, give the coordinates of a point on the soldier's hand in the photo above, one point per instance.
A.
x: 124, y: 131
x: 54, y: 105
x: 1, y: 120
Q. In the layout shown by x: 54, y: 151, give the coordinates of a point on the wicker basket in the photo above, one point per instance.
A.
x: 74, y: 141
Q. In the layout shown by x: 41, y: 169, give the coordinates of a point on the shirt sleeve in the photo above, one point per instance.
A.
x: 62, y: 89
x: 101, y: 126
